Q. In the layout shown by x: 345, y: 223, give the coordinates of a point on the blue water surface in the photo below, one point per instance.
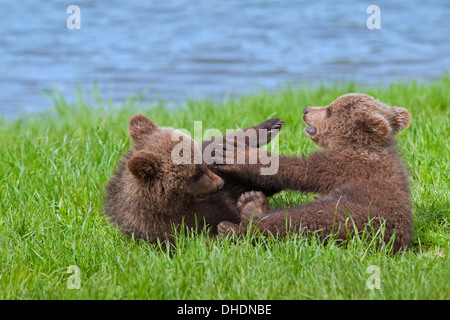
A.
x: 175, y: 49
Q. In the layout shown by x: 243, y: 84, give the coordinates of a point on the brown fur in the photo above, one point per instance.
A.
x: 359, y: 172
x: 149, y: 194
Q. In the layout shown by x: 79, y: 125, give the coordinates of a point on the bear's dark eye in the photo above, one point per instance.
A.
x: 197, y: 175
x: 328, y: 112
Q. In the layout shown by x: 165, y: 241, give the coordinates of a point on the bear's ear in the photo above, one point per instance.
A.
x: 143, y: 165
x: 402, y: 118
x: 140, y: 126
x: 371, y: 128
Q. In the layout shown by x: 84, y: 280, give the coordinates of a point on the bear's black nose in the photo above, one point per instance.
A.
x: 305, y: 110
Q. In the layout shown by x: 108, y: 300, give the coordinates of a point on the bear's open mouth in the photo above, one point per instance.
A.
x: 311, y: 130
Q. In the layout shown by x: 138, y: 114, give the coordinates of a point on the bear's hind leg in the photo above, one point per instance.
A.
x: 253, y: 206
x: 227, y: 227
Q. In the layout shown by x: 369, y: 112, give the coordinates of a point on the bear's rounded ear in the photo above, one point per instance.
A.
x: 372, y: 128
x: 143, y: 165
x: 140, y: 126
x: 402, y: 118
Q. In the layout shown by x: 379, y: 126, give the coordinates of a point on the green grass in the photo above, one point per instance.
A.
x: 55, y: 166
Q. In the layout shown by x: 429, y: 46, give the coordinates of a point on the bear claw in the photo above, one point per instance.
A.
x: 271, y: 124
x: 226, y: 227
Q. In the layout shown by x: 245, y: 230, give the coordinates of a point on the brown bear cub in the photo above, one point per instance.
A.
x: 150, y: 194
x: 359, y: 174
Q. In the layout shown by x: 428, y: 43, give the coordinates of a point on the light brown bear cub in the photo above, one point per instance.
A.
x: 359, y: 173
x: 150, y: 194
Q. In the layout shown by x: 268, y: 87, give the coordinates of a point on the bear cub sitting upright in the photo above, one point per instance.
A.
x: 149, y: 194
x: 359, y: 175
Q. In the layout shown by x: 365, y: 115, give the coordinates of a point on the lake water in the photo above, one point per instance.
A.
x: 175, y: 49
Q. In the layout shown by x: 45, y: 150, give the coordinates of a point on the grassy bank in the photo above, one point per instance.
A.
x: 54, y: 168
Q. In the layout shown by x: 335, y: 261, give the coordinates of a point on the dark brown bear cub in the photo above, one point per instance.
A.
x: 150, y: 193
x: 359, y: 174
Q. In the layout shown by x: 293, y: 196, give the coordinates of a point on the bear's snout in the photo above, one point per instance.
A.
x: 222, y: 183
x: 217, y: 184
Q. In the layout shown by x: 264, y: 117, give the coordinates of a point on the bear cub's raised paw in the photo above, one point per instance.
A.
x: 271, y: 124
x: 253, y: 203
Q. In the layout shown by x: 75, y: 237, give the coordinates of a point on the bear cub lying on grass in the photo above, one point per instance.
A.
x: 150, y: 194
x: 359, y: 174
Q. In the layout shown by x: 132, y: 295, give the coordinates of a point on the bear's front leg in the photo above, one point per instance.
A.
x: 247, y: 167
x: 262, y: 134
